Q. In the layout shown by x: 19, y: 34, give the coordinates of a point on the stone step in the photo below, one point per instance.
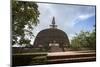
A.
x: 68, y: 57
x: 71, y: 56
x: 71, y: 60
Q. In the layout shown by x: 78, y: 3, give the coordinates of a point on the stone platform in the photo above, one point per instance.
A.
x: 71, y: 56
x: 24, y: 59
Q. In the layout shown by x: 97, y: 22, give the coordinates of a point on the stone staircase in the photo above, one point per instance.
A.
x: 39, y: 58
x: 70, y: 57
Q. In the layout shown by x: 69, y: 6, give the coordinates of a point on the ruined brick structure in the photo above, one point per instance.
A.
x: 52, y: 39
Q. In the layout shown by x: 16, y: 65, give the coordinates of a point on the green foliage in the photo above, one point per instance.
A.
x: 24, y: 18
x: 84, y: 40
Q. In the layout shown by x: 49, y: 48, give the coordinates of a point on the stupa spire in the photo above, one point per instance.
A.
x: 53, y: 23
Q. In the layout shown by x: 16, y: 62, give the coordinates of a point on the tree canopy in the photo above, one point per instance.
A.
x: 24, y: 19
x: 84, y: 40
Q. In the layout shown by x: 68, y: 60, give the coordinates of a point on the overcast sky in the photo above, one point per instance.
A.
x: 69, y: 18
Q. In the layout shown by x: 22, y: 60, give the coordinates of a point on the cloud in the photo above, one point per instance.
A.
x: 84, y: 17
x: 81, y: 17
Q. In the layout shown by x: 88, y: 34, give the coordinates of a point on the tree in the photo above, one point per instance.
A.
x: 24, y: 19
x: 79, y: 41
x: 92, y: 39
x: 85, y: 40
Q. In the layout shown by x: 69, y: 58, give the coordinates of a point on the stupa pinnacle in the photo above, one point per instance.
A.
x: 53, y: 23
